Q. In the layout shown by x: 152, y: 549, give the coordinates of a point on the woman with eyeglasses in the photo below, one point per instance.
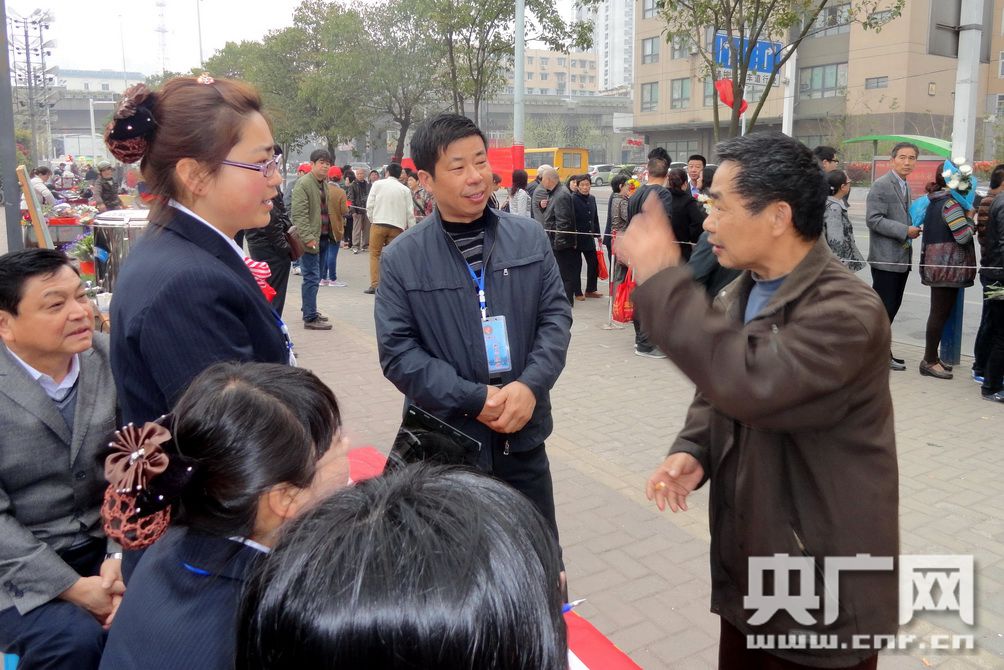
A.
x: 187, y: 296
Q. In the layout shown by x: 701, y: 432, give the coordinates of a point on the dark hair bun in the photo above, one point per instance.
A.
x: 128, y: 134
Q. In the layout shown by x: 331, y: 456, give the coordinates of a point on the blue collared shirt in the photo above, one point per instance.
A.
x: 55, y: 390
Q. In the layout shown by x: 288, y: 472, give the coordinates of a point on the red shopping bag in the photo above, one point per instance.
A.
x: 602, y: 273
x: 623, y: 310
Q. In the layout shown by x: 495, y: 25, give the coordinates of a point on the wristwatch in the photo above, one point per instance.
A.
x: 114, y: 556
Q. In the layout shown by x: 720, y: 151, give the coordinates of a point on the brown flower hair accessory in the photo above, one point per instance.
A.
x: 129, y: 132
x: 137, y: 457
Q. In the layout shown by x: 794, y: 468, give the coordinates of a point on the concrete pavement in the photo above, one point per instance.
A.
x: 645, y: 573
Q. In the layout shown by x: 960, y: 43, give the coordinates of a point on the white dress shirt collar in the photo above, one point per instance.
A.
x: 233, y: 245
x: 56, y: 391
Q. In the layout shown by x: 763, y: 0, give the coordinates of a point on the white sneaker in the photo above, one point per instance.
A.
x: 339, y: 284
x: 654, y: 353
x: 324, y: 282
x: 296, y: 269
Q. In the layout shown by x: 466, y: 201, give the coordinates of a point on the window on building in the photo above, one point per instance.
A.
x: 650, y: 50
x: 529, y: 76
x: 1000, y: 104
x: 592, y: 65
x: 835, y: 19
x: 822, y: 81
x: 529, y: 60
x: 544, y: 60
x: 543, y: 76
x: 680, y: 48
x: 561, y: 62
x: 574, y: 63
x: 679, y: 93
x: 876, y: 82
x: 649, y: 96
x: 592, y: 79
x: 574, y: 78
x: 648, y: 9
x: 87, y: 85
x: 105, y: 87
x: 881, y: 17
x: 710, y: 94
x: 1000, y: 66
x: 560, y: 76
x: 680, y: 149
x: 811, y: 140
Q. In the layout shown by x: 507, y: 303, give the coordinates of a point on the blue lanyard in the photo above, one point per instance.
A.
x: 479, y: 281
x: 285, y: 334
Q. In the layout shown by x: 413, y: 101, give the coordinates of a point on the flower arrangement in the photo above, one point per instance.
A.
x: 958, y: 174
x: 706, y: 201
x: 81, y: 248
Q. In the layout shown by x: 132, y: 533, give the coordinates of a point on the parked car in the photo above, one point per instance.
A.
x: 602, y: 174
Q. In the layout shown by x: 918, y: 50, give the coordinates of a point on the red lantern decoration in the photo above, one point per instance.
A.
x: 724, y: 88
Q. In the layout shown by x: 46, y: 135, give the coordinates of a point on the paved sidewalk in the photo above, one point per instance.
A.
x: 646, y: 574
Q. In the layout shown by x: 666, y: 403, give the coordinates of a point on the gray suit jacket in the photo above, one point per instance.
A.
x: 51, y: 483
x: 888, y: 218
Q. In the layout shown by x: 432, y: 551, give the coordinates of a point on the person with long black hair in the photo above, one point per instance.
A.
x: 427, y: 567
x: 248, y: 447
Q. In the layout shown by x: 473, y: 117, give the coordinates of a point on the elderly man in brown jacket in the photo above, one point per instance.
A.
x: 792, y: 421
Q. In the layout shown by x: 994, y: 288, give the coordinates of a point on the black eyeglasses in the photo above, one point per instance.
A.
x: 267, y: 168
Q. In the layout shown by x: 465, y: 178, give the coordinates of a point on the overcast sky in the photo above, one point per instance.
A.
x: 90, y: 35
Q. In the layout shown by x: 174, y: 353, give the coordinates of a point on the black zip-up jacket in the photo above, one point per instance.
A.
x: 428, y: 321
x: 993, y: 251
x: 587, y: 221
x: 271, y: 237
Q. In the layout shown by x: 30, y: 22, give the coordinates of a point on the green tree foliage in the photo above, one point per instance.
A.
x: 479, y: 40
x: 402, y: 51
x: 784, y: 21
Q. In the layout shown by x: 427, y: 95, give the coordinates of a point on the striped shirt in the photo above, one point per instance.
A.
x: 470, y: 239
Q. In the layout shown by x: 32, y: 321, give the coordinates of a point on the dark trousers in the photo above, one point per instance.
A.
x: 529, y: 472
x: 993, y: 374
x: 890, y: 287
x: 733, y: 655
x: 592, y: 270
x: 569, y: 267
x: 278, y: 264
x: 942, y: 301
x: 984, y: 339
x: 58, y: 634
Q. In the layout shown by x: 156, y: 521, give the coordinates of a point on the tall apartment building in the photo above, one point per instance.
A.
x: 556, y: 73
x: 613, y: 40
x: 850, y: 81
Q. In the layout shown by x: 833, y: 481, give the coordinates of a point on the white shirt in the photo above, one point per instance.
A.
x: 56, y: 391
x: 390, y: 203
x: 233, y: 245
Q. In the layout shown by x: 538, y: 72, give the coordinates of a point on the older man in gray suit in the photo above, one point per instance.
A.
x: 890, y: 250
x: 60, y: 579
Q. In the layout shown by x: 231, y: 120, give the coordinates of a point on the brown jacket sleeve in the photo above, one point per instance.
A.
x: 771, y: 375
x: 337, y: 209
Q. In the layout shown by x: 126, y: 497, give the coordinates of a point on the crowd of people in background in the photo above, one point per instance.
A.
x: 220, y: 523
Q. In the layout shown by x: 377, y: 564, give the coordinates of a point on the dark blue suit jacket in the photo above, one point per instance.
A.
x: 184, y: 301
x: 180, y: 608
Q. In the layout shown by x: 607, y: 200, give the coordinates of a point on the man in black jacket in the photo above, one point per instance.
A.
x: 472, y: 324
x: 269, y: 245
x: 993, y: 278
x: 559, y: 222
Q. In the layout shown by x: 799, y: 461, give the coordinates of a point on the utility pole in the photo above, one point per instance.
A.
x: 10, y: 189
x: 30, y: 82
x: 963, y: 138
x: 519, y: 88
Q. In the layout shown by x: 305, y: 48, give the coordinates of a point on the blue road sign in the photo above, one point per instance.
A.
x: 764, y: 59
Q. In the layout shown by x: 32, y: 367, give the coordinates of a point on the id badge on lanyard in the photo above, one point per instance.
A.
x: 493, y: 329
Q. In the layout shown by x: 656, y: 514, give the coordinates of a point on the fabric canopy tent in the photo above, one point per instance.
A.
x: 929, y: 144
